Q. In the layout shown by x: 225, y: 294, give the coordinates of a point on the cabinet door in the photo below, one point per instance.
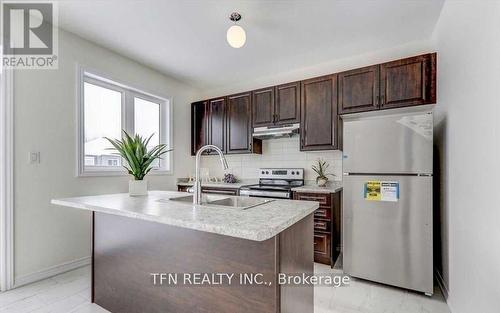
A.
x: 263, y: 107
x: 216, y: 122
x: 407, y: 82
x: 287, y: 109
x: 199, y: 125
x: 359, y: 90
x: 322, y: 248
x: 239, y: 123
x: 319, y: 113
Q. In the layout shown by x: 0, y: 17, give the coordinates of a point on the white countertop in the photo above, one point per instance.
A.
x: 258, y: 223
x: 331, y: 187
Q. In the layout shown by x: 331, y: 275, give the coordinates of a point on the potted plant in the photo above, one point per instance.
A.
x: 320, y: 169
x: 139, y: 161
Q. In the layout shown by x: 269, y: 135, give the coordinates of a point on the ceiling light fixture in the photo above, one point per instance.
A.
x: 236, y: 36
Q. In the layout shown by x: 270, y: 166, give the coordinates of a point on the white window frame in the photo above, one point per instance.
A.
x: 128, y: 95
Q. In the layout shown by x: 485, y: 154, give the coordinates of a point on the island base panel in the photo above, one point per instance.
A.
x: 127, y: 250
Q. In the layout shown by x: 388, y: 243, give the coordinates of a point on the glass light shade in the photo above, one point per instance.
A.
x: 236, y: 36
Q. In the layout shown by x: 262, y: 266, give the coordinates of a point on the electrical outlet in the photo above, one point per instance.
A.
x: 34, y: 157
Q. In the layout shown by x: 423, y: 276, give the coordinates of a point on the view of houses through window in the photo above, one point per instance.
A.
x: 107, y: 110
x: 103, y: 118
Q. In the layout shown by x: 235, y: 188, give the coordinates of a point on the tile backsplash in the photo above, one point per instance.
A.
x: 278, y: 153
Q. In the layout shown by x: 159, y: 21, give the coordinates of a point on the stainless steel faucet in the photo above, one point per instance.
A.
x: 197, y: 182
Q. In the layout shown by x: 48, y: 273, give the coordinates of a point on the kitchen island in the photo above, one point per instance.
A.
x: 137, y: 239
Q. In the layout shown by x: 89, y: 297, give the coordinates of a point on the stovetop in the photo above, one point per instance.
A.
x: 273, y: 181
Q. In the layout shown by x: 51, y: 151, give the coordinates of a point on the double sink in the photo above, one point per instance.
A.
x: 242, y: 203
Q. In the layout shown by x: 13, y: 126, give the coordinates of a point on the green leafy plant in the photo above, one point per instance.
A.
x: 320, y: 169
x: 135, y: 152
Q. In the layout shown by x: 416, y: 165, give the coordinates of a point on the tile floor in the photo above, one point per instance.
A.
x: 70, y: 293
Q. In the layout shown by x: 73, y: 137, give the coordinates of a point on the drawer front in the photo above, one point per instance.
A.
x: 323, y: 199
x: 320, y: 244
x: 323, y: 213
x: 322, y: 248
x: 322, y: 226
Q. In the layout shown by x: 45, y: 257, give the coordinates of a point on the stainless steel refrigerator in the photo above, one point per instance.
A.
x: 387, y: 199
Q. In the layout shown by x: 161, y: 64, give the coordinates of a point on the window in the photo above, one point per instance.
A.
x: 105, y: 108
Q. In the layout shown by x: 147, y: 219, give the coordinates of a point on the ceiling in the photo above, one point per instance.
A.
x: 186, y: 38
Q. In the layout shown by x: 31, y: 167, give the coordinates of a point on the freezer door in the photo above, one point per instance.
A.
x: 389, y: 143
x: 389, y: 242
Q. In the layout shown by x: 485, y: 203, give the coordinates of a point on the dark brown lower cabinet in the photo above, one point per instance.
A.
x: 327, y: 225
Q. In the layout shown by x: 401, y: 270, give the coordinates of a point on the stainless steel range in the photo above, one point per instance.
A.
x: 275, y: 183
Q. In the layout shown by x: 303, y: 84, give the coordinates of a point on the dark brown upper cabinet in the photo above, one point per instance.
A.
x: 319, y: 114
x: 199, y: 123
x: 359, y: 90
x: 263, y: 107
x: 410, y: 81
x: 276, y: 105
x: 216, y: 123
x: 316, y: 103
x: 239, y: 137
x: 287, y: 107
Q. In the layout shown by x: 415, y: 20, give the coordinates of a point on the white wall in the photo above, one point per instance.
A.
x: 48, y: 235
x: 279, y: 153
x: 467, y: 136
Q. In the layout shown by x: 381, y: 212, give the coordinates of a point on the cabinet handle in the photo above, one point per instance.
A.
x: 321, y: 200
x: 320, y: 213
x: 382, y: 99
x: 321, y: 225
x: 378, y: 100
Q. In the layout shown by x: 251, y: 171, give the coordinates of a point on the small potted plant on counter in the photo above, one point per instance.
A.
x: 320, y: 169
x: 139, y: 161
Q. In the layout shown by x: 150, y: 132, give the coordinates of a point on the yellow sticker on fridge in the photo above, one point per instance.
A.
x: 372, y: 190
x: 376, y: 190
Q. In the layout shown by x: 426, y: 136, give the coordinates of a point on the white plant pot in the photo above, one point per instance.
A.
x: 138, y: 188
x: 322, y: 182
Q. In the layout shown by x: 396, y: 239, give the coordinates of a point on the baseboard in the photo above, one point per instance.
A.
x: 441, y: 284
x: 51, y: 271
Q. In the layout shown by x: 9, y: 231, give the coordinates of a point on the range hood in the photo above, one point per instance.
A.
x: 276, y: 131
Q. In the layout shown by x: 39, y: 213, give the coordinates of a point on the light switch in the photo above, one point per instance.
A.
x: 35, y: 157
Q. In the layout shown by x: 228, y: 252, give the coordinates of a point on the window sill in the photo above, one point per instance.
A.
x: 112, y: 173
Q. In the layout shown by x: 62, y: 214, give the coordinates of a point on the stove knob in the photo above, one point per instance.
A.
x: 267, y: 172
x: 263, y: 172
x: 293, y: 173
